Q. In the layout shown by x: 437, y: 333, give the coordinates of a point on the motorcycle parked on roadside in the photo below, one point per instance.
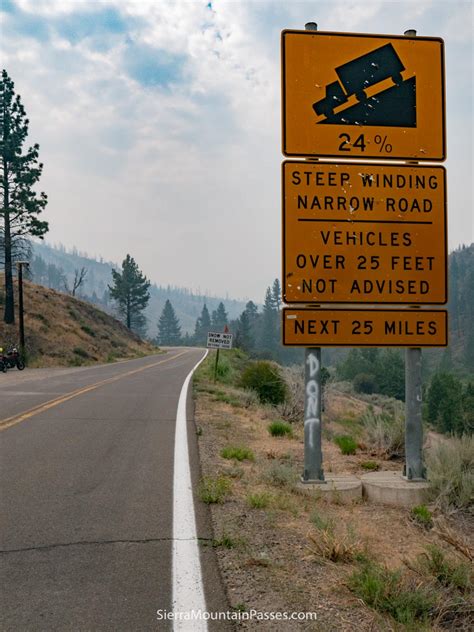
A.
x: 11, y: 360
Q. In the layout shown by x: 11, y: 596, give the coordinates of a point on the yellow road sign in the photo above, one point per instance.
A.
x: 363, y: 96
x: 364, y: 328
x: 364, y: 233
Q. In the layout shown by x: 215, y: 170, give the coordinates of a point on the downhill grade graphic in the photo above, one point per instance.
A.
x: 391, y: 107
x: 353, y: 95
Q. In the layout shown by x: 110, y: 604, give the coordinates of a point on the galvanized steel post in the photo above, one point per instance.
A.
x: 414, y: 469
x: 313, y: 456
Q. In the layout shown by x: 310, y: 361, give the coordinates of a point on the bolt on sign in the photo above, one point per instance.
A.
x: 351, y: 95
x: 217, y: 340
x: 312, y: 327
x: 364, y: 233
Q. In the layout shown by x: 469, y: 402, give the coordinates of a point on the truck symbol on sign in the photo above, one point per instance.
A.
x: 358, y: 75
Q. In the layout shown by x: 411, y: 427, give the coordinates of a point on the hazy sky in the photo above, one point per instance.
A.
x: 159, y: 124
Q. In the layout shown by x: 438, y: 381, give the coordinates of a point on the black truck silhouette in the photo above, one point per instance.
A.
x: 359, y: 74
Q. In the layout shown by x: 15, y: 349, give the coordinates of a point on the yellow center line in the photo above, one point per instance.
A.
x: 16, y: 419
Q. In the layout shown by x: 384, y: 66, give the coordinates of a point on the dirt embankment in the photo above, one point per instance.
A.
x: 61, y: 330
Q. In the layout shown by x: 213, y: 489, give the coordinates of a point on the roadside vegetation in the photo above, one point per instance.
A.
x: 371, y: 567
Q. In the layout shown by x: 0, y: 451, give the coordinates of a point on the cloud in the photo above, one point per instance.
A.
x: 159, y: 124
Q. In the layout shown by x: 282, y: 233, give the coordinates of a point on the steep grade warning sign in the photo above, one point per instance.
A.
x: 363, y: 96
x: 364, y: 233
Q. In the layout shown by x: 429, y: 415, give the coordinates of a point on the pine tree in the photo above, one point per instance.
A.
x: 243, y: 337
x: 130, y: 290
x: 276, y: 294
x: 269, y: 334
x: 20, y: 205
x: 219, y: 318
x: 252, y: 312
x: 169, y: 330
x: 203, y: 326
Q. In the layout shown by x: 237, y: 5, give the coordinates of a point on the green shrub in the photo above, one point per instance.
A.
x: 43, y: 319
x: 81, y: 352
x: 346, y: 444
x: 227, y: 541
x: 321, y: 522
x: 239, y: 453
x: 447, y: 571
x: 385, y: 432
x: 389, y: 592
x: 371, y: 466
x: 332, y: 546
x: 223, y: 369
x: 88, y: 330
x: 259, y: 500
x: 448, y: 405
x: 280, y: 475
x: 280, y: 429
x: 450, y: 468
x: 214, y: 489
x: 265, y: 378
x: 422, y: 516
x: 365, y: 383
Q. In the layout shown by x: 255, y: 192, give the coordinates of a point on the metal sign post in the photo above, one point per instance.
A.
x: 414, y: 469
x: 313, y: 456
x: 313, y: 394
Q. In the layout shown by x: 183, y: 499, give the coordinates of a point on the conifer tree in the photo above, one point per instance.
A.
x: 219, y: 318
x: 269, y: 333
x: 276, y: 294
x: 20, y: 170
x: 169, y: 330
x: 203, y: 326
x: 130, y: 290
x: 244, y: 337
x: 252, y: 312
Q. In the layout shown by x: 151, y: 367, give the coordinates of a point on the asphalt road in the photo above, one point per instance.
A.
x: 86, y: 482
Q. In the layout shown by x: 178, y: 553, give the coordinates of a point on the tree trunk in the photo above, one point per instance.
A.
x: 9, y: 314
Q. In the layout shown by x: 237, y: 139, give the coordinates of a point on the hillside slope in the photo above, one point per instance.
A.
x: 64, y: 331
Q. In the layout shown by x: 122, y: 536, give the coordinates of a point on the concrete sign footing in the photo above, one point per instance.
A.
x: 383, y: 488
x: 337, y: 488
x: 391, y: 488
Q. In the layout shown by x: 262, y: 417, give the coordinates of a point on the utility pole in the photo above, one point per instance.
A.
x: 313, y: 455
x: 20, y: 265
x: 414, y: 469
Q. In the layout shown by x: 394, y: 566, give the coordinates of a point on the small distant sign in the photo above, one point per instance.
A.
x: 217, y: 340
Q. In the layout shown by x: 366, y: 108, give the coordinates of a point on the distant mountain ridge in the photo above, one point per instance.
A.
x: 186, y: 303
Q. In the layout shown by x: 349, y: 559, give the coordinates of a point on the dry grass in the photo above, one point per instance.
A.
x: 331, y: 546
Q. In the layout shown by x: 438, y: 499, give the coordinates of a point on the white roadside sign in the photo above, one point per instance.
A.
x: 217, y: 340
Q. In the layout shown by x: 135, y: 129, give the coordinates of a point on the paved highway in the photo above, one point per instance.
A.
x: 87, y: 495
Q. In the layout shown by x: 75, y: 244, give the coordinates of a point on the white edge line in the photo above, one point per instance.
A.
x: 187, y: 584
